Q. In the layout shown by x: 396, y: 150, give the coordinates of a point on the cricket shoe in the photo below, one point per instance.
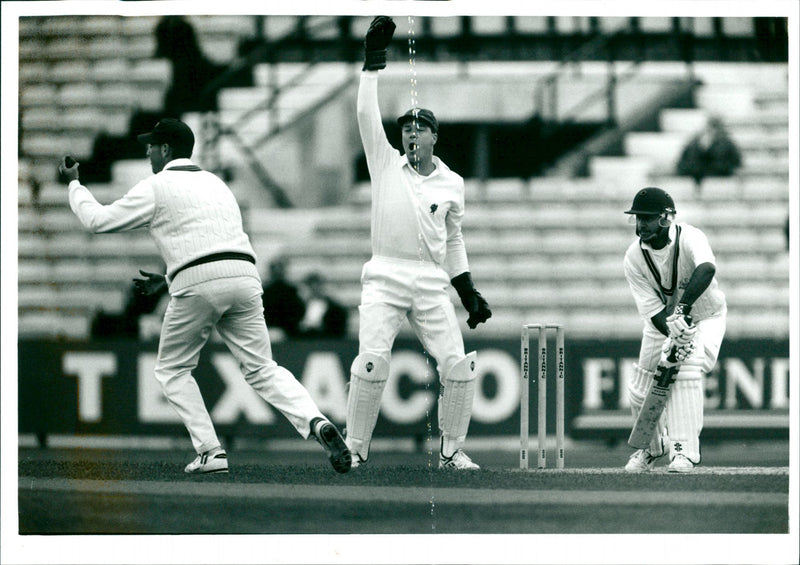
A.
x: 680, y: 464
x: 641, y: 461
x: 214, y: 461
x: 330, y: 439
x: 459, y: 460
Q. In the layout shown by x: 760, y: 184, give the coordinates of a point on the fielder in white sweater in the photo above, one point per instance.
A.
x: 213, y: 282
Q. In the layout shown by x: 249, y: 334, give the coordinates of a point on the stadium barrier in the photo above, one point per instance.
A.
x: 108, y: 388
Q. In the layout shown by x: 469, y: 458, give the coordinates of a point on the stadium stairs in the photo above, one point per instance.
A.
x: 532, y: 241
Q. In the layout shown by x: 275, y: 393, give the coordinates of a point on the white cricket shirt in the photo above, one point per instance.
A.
x: 414, y: 217
x: 651, y: 294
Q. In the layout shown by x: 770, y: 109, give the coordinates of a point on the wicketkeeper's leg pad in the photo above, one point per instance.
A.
x: 684, y: 410
x: 456, y: 394
x: 368, y: 375
x: 637, y: 392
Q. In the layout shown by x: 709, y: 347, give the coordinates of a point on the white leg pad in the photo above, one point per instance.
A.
x: 637, y: 392
x: 368, y: 376
x: 684, y: 411
x: 455, y: 404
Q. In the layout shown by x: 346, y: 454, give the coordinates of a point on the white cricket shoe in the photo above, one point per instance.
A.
x: 214, y: 461
x: 641, y: 461
x: 680, y: 464
x: 459, y: 460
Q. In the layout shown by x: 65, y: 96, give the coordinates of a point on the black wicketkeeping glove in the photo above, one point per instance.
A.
x: 472, y: 300
x: 379, y: 35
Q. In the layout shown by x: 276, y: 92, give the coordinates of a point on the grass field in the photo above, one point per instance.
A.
x: 741, y: 488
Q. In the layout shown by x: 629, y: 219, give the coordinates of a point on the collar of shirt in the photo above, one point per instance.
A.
x: 671, y: 239
x: 181, y: 162
x: 437, y: 163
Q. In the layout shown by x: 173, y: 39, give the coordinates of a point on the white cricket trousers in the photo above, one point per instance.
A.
x: 235, y: 307
x: 397, y: 289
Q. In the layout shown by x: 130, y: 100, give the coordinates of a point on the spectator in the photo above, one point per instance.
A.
x: 283, y: 307
x: 176, y: 40
x: 711, y: 153
x: 325, y: 317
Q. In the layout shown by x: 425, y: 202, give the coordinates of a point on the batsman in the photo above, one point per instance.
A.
x: 671, y: 273
x: 418, y: 251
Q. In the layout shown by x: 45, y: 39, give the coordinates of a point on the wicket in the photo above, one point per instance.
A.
x: 542, y: 393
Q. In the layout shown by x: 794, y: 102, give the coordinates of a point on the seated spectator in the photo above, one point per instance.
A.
x: 283, y: 307
x: 325, y: 317
x: 711, y: 153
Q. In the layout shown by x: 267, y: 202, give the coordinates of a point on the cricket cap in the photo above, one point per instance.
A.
x: 172, y: 131
x: 422, y: 115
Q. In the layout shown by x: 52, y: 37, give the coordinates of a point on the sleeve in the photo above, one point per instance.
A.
x: 456, y: 255
x: 648, y: 302
x: 132, y: 211
x: 695, y: 243
x: 377, y: 148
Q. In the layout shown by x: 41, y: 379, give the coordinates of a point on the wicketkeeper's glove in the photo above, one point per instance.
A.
x: 379, y: 35
x: 475, y: 304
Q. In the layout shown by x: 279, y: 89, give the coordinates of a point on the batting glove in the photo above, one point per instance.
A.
x: 681, y: 352
x: 471, y: 299
x: 379, y: 35
x: 679, y: 323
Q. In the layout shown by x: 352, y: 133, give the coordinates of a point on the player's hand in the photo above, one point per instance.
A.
x: 480, y: 311
x: 471, y: 299
x: 681, y: 353
x: 378, y: 37
x: 679, y: 323
x: 684, y: 351
x: 68, y: 169
x: 152, y: 284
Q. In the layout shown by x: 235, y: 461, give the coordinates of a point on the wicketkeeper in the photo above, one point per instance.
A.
x: 417, y: 253
x: 671, y: 272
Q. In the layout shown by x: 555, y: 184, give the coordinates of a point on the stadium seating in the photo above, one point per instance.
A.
x: 546, y: 248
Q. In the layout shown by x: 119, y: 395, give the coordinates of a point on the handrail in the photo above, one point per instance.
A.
x: 549, y: 80
x: 253, y: 58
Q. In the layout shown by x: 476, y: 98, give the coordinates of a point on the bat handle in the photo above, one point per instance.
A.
x: 69, y: 162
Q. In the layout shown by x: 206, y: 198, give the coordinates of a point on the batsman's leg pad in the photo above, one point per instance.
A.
x: 456, y: 394
x: 637, y: 392
x: 684, y: 410
x: 368, y: 375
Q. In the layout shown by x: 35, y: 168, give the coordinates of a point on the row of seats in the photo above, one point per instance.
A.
x: 95, y: 37
x: 274, y: 27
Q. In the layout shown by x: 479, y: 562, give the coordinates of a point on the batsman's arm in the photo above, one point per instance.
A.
x: 660, y: 322
x: 701, y: 277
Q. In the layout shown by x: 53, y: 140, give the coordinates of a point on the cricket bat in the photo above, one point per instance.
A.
x: 646, y: 422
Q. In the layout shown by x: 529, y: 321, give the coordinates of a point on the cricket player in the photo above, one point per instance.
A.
x: 213, y: 282
x: 671, y: 272
x: 417, y: 252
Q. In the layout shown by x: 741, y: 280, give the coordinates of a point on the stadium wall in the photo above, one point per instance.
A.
x: 108, y: 388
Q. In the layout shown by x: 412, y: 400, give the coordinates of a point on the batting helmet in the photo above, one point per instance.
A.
x: 652, y: 200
